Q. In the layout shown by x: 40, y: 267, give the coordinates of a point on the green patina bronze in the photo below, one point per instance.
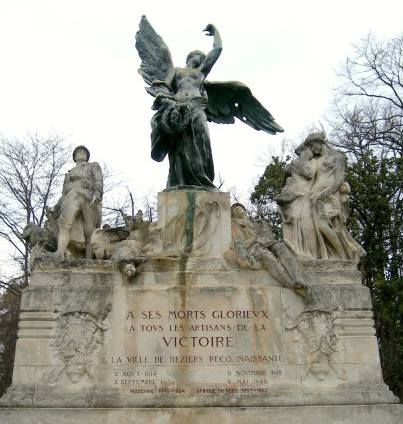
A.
x: 185, y: 101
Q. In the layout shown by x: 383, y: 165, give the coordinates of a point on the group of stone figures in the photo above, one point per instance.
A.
x: 312, y: 204
x: 72, y: 229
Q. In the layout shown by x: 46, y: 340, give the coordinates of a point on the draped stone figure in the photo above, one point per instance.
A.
x: 312, y: 203
x: 185, y: 101
x: 295, y: 204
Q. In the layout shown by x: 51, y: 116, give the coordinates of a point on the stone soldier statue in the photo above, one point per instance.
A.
x: 78, y: 211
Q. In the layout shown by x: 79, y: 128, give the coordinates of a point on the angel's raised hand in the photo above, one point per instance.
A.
x: 210, y: 30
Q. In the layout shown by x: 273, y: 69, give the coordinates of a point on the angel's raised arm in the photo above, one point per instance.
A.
x: 214, y: 54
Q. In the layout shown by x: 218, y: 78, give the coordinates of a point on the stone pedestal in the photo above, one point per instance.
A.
x: 195, y: 222
x: 191, y: 338
x: 333, y: 414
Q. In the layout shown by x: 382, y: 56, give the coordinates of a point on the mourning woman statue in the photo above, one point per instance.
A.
x: 295, y: 205
x: 78, y: 211
x: 185, y: 101
x: 312, y: 203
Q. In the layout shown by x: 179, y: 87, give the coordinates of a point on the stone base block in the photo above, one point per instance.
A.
x: 204, y: 337
x: 195, y: 222
x: 335, y: 414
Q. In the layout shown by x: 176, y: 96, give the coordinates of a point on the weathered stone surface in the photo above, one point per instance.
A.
x: 71, y: 222
x: 340, y: 414
x: 190, y: 329
x: 194, y: 222
x: 200, y: 335
x: 313, y: 203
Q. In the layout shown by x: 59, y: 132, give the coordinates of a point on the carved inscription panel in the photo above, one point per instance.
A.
x: 198, y: 341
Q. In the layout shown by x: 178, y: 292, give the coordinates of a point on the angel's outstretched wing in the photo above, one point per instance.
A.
x: 156, y: 61
x: 232, y: 99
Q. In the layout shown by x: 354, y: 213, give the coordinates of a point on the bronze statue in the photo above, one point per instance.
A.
x: 185, y: 101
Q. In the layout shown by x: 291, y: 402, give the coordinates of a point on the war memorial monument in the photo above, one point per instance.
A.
x: 202, y: 315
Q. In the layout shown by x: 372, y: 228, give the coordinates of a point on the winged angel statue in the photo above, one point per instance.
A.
x: 185, y: 101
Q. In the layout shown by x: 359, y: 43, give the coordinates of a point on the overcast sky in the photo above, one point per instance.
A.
x: 70, y: 67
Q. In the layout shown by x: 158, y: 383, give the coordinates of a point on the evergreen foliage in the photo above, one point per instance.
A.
x: 9, y: 311
x: 269, y: 186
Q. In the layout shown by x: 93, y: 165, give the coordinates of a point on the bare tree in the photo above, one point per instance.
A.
x: 376, y: 70
x: 149, y: 205
x: 115, y: 209
x: 31, y: 170
x: 370, y: 98
x: 364, y: 127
